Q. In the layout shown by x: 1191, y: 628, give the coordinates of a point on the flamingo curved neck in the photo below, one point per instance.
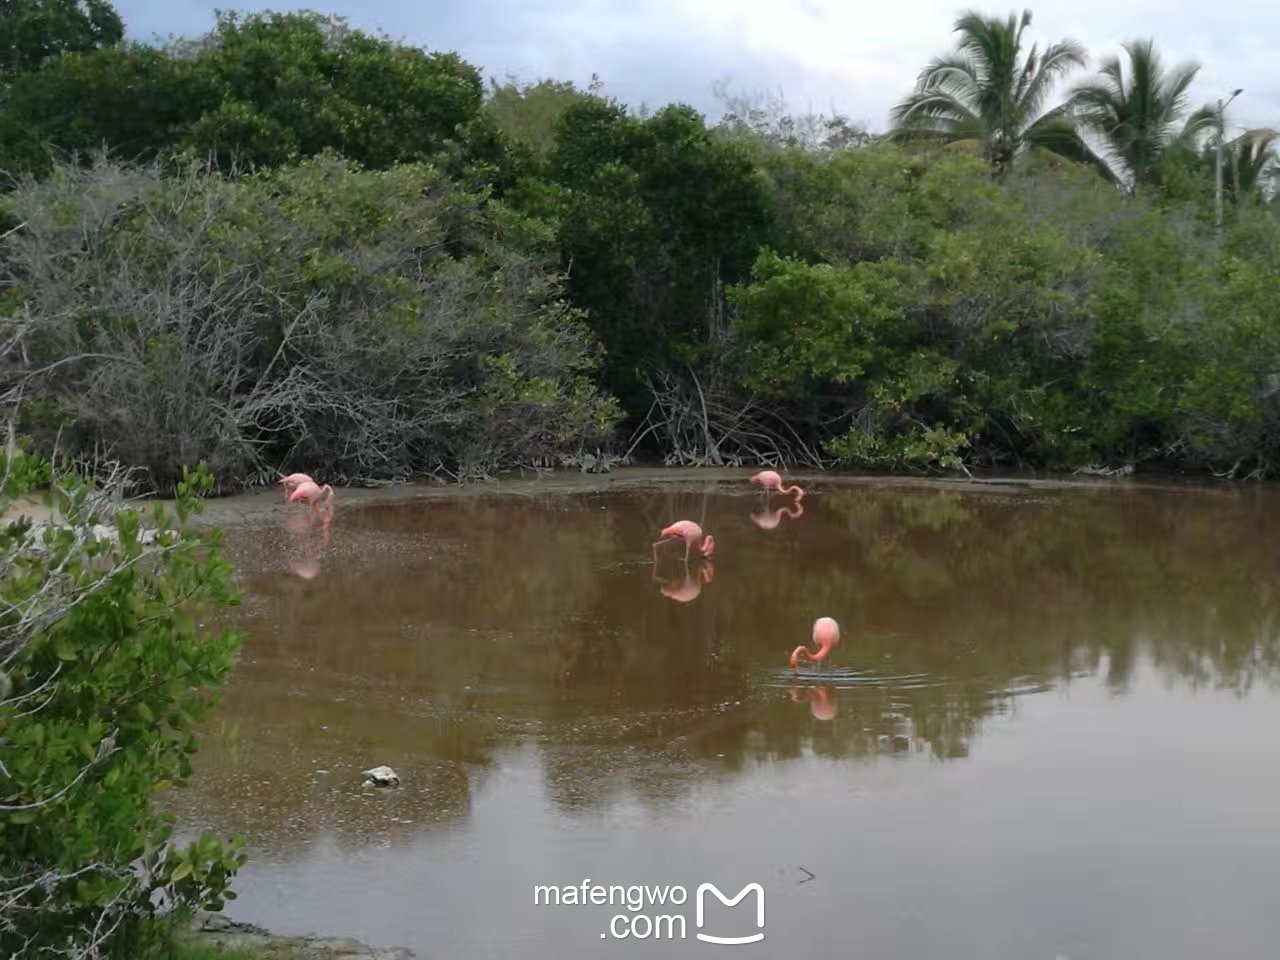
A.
x: 807, y: 654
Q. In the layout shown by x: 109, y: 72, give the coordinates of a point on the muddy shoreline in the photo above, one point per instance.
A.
x: 218, y: 931
x: 243, y: 508
x: 251, y: 506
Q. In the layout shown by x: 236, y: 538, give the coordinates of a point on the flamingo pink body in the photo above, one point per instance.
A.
x: 691, y: 534
x: 826, y: 634
x: 307, y: 492
x: 771, y: 480
x: 292, y: 481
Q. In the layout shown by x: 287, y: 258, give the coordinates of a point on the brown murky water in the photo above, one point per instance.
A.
x: 1050, y: 730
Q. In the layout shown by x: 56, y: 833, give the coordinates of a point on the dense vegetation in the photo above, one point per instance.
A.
x: 318, y: 249
x: 382, y: 323
x: 103, y: 673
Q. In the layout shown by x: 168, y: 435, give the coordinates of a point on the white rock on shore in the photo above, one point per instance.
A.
x: 100, y: 532
x: 380, y: 777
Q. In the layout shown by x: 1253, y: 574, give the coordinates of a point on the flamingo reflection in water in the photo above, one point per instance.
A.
x: 769, y: 519
x: 687, y: 588
x: 821, y: 700
x: 308, y: 540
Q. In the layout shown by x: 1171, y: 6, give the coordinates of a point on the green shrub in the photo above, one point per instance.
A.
x: 104, y: 670
x: 263, y: 89
x: 927, y: 317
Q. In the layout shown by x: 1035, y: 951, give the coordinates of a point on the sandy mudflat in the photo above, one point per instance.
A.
x: 253, y: 505
x: 27, y: 507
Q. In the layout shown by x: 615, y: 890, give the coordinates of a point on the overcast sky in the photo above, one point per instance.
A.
x: 855, y: 57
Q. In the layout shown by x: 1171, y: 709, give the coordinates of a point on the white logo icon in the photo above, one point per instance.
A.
x: 749, y: 888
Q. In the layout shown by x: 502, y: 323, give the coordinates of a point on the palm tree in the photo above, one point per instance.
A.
x: 1251, y: 165
x: 988, y: 93
x: 1139, y: 117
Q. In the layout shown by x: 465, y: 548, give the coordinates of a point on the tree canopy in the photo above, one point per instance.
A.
x: 260, y: 90
x: 33, y: 31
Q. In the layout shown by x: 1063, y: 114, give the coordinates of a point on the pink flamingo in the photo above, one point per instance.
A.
x: 826, y: 634
x: 293, y: 480
x: 691, y: 534
x: 771, y: 480
x: 308, y: 492
x: 687, y: 590
x: 767, y: 520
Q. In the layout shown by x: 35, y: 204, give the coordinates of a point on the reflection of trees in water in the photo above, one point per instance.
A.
x: 870, y: 723
x: 434, y: 620
x: 1040, y: 589
x: 985, y: 594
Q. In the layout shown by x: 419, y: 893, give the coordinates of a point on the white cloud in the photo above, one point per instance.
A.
x: 858, y: 57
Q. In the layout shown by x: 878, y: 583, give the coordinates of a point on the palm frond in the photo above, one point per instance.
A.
x: 1027, y: 74
x: 956, y: 76
x: 1093, y: 103
x: 1137, y: 107
x: 989, y: 89
x: 1057, y: 61
x: 1056, y: 132
x: 1254, y: 162
x: 1113, y: 72
x: 936, y: 112
x: 1200, y: 122
x: 1174, y: 86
